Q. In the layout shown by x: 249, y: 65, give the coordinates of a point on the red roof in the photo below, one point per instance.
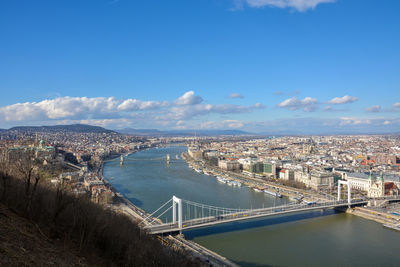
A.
x: 390, y: 185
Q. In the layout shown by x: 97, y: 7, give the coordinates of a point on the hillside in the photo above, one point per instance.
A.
x: 23, y: 243
x: 43, y: 225
x: 155, y: 132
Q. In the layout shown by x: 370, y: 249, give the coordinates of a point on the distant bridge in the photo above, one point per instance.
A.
x: 127, y: 159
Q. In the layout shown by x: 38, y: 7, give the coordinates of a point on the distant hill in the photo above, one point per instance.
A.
x: 77, y: 128
x: 155, y: 132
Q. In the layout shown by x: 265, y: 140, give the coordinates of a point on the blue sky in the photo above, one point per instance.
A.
x: 281, y: 66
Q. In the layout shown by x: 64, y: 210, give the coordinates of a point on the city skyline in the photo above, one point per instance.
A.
x: 286, y: 66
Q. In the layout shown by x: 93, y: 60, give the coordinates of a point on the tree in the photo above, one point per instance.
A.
x: 5, y: 172
x: 26, y: 164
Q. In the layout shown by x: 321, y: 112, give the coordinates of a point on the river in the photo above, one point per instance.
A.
x: 306, y: 239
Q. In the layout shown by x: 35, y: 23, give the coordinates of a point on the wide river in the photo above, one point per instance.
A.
x: 306, y: 239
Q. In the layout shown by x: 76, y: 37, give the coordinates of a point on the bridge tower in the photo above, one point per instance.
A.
x: 177, y: 201
x: 340, y: 182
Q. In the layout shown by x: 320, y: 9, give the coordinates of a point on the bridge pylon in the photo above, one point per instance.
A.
x: 177, y: 201
x: 340, y: 182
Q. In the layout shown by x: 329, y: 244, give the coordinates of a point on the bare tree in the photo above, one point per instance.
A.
x: 26, y: 164
x: 4, y: 172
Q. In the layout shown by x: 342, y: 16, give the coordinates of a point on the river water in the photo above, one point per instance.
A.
x: 307, y: 239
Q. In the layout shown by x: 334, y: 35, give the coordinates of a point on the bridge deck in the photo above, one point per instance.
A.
x: 246, y: 215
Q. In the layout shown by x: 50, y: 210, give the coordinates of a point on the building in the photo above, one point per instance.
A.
x: 373, y: 186
x: 315, y: 179
x: 229, y: 165
x: 269, y: 169
x: 287, y: 174
x: 195, y: 152
x: 256, y: 167
x: 391, y: 189
x: 376, y: 188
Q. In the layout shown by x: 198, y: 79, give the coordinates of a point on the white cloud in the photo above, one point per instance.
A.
x: 259, y: 105
x: 231, y: 124
x: 343, y: 100
x: 187, y: 112
x: 375, y: 109
x: 134, y: 104
x: 308, y: 104
x: 75, y: 108
x: 300, y: 5
x: 188, y: 98
x: 344, y: 125
x: 236, y: 95
x: 353, y: 121
x: 117, y: 112
x: 396, y: 105
x: 22, y: 111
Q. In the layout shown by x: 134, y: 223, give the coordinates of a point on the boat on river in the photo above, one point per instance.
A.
x: 221, y: 180
x: 272, y: 193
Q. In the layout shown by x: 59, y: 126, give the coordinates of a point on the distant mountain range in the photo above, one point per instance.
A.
x: 77, y: 128
x: 83, y: 128
x: 155, y: 132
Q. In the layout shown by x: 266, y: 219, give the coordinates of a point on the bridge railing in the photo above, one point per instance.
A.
x: 221, y: 215
x: 262, y: 211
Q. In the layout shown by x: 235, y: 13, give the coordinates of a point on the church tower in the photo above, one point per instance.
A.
x: 371, y: 179
x: 382, y: 184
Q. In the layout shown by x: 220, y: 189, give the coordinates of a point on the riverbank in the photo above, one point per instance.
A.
x: 387, y: 220
x: 199, y: 253
x: 273, y: 188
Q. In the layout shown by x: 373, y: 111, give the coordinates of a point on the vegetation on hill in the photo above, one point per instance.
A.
x: 64, y: 217
x: 22, y: 243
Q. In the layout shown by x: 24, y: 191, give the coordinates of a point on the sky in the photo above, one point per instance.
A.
x: 261, y: 66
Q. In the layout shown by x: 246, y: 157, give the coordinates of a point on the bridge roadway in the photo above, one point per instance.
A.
x: 246, y: 215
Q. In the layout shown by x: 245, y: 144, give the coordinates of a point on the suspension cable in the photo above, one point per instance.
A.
x: 160, y: 215
x: 211, y: 207
x: 156, y: 210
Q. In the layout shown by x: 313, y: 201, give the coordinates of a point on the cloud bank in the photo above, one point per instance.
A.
x: 115, y: 112
x: 191, y: 111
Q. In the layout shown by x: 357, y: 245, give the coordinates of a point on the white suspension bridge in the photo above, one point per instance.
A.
x: 190, y: 215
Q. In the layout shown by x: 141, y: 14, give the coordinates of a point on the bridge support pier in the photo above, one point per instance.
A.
x: 177, y: 201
